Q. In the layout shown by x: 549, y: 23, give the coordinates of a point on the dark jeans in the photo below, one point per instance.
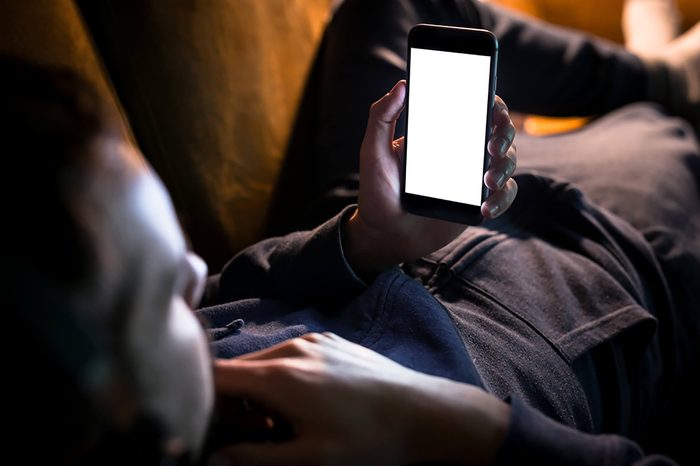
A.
x: 643, y: 166
x: 632, y: 159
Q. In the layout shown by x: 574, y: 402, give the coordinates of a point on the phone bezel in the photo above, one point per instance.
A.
x: 459, y: 40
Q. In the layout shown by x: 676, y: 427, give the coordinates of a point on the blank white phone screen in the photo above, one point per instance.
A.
x: 446, y: 127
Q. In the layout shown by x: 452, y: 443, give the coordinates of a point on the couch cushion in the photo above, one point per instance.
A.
x: 211, y: 90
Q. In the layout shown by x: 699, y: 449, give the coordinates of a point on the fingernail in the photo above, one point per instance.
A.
x: 400, y: 87
x: 503, y: 146
x: 493, y: 210
x: 501, y: 180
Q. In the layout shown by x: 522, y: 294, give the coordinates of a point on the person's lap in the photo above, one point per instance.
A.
x: 643, y: 166
x: 623, y: 160
x: 363, y: 55
x: 635, y: 161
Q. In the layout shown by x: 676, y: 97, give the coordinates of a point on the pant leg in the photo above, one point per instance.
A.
x: 551, y: 70
x: 644, y: 167
x: 542, y: 69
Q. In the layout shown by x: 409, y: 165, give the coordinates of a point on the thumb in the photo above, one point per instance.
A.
x: 383, y: 115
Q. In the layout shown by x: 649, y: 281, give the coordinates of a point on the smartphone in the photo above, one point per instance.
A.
x: 451, y: 91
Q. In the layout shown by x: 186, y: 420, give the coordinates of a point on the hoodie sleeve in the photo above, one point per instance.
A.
x: 306, y: 266
x: 533, y: 438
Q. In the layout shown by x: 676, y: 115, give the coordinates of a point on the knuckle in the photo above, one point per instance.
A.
x: 375, y: 108
x: 511, y: 165
x: 512, y: 190
x: 299, y: 346
x: 511, y: 157
x: 314, y: 337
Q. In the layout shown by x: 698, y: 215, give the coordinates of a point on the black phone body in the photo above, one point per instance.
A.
x: 451, y: 92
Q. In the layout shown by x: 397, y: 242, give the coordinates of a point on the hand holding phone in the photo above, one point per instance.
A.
x: 383, y: 230
x: 451, y: 94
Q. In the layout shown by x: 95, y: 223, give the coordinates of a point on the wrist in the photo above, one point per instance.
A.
x: 365, y: 248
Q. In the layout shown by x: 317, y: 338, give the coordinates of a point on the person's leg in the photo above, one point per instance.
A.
x: 542, y: 69
x: 637, y: 162
x: 644, y: 167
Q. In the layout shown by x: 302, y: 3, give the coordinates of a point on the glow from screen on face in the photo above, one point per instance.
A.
x: 447, y: 125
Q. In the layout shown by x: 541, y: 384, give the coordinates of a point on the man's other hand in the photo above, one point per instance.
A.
x: 348, y: 405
